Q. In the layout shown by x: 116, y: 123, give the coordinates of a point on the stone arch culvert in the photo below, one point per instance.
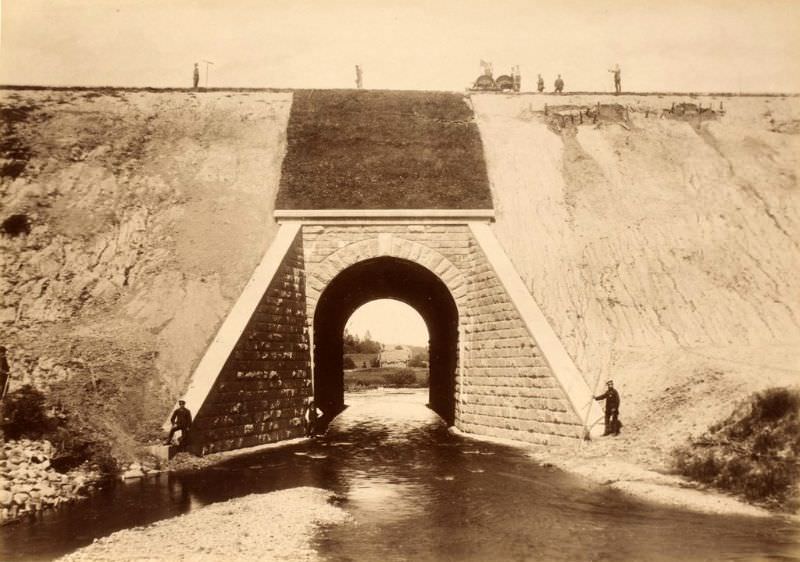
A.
x: 385, y: 195
x: 379, y: 278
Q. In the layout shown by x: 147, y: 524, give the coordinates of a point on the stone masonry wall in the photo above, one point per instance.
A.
x: 507, y: 389
x: 443, y: 249
x: 259, y: 395
x: 504, y: 387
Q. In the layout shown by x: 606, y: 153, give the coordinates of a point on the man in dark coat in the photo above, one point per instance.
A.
x: 611, y: 396
x: 5, y: 372
x: 181, y: 420
x: 310, y: 417
x: 617, y: 78
x: 559, y: 85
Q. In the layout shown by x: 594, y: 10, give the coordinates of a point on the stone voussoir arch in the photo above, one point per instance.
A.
x: 322, y: 273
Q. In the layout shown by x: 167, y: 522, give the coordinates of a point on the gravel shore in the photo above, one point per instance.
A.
x: 596, y: 463
x: 275, y: 526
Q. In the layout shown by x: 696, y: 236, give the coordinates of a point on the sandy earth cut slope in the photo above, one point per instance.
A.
x: 663, y: 248
x: 146, y: 214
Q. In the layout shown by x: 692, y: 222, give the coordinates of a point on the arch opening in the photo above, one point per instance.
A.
x: 385, y: 278
x: 386, y: 334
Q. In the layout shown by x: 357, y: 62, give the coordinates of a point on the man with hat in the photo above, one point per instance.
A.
x: 181, y: 420
x: 310, y: 417
x: 559, y: 85
x: 611, y: 396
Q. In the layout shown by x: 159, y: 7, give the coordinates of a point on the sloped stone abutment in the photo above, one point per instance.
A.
x: 496, y: 367
x: 487, y: 373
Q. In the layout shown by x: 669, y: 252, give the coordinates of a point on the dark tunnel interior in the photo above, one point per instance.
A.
x: 381, y: 278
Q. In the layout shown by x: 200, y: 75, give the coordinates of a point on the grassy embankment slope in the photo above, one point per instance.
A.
x: 356, y: 149
x: 664, y: 251
x: 147, y: 214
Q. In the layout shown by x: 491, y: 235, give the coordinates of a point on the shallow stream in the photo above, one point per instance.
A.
x: 417, y: 492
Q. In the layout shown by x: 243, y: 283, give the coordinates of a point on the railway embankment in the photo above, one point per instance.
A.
x: 660, y: 239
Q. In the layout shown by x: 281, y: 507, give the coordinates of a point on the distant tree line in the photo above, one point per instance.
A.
x: 354, y: 344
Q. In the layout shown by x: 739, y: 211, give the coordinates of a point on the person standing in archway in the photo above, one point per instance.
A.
x: 310, y: 417
x: 611, y: 396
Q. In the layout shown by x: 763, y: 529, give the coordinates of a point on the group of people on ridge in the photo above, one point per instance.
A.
x: 558, y: 86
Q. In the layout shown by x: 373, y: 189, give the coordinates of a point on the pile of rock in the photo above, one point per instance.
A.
x: 28, y: 484
x: 133, y: 470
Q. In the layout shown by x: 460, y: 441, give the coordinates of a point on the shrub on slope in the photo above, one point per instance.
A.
x: 22, y: 414
x: 26, y: 413
x: 754, y: 453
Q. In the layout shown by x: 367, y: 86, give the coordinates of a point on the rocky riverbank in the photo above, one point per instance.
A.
x: 29, y: 484
x: 274, y: 526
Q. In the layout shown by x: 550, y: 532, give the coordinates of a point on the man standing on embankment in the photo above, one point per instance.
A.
x: 611, y: 396
x: 5, y: 372
x: 181, y: 420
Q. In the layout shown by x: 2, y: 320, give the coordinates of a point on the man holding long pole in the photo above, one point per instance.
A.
x: 611, y: 396
x: 617, y: 79
x: 207, y: 63
x: 5, y: 373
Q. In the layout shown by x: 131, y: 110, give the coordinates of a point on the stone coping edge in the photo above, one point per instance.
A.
x: 285, y: 215
x: 564, y: 369
x: 220, y: 348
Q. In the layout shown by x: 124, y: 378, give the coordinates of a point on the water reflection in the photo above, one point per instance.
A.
x: 417, y: 492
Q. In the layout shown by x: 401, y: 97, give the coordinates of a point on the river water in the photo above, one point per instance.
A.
x: 417, y: 492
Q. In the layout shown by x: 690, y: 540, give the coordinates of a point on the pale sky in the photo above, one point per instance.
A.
x: 664, y: 45
x: 405, y: 327
x: 675, y: 45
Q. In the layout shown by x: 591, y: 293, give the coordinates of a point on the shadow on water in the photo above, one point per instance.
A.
x: 417, y: 492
